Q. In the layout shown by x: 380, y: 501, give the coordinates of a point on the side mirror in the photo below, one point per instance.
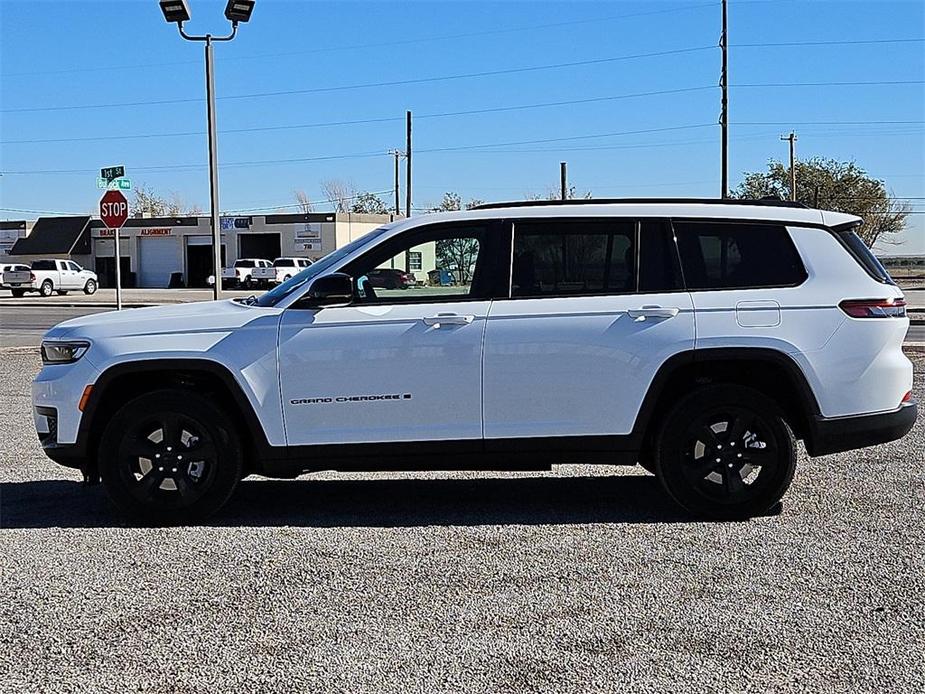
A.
x: 335, y: 289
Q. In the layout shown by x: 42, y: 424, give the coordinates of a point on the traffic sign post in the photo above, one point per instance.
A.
x: 114, y: 213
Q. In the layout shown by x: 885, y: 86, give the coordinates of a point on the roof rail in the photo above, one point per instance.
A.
x: 762, y: 202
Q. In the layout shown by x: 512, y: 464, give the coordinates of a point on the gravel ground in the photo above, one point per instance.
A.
x: 581, y: 580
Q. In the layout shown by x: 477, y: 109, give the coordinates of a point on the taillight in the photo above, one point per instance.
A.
x: 874, y: 308
x: 906, y: 398
x: 32, y: 277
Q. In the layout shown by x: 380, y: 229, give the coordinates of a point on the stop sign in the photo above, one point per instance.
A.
x: 113, y: 209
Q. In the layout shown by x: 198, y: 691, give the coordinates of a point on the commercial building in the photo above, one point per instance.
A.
x: 177, y: 251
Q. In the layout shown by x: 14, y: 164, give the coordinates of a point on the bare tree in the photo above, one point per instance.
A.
x: 339, y: 193
x: 153, y: 204
x: 303, y: 201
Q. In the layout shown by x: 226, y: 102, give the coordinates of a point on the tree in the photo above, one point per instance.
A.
x: 841, y: 187
x: 554, y: 192
x: 457, y: 255
x: 339, y: 193
x: 303, y: 201
x: 368, y: 203
x: 152, y: 204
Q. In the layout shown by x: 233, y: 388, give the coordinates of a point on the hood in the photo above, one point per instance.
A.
x: 198, y: 317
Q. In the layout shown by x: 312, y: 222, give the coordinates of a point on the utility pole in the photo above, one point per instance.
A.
x: 563, y: 179
x: 792, y: 138
x: 397, y: 154
x: 408, y: 163
x: 724, y: 111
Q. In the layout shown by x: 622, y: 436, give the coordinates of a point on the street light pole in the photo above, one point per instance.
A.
x: 235, y: 11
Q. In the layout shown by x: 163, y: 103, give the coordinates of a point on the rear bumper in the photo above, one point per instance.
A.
x: 837, y: 434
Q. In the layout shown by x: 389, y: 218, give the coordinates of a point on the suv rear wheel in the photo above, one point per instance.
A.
x: 726, y: 451
x: 169, y: 457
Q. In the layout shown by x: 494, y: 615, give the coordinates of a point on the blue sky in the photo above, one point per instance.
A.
x: 57, y: 58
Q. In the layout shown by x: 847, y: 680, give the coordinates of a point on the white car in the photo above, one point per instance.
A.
x: 699, y: 339
x: 287, y: 268
x: 49, y: 276
x: 248, y: 273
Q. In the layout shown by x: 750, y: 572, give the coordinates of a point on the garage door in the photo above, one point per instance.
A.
x: 157, y: 258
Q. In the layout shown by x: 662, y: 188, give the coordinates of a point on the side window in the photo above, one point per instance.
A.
x: 659, y: 269
x: 442, y: 263
x: 721, y: 255
x: 573, y: 257
x: 73, y: 266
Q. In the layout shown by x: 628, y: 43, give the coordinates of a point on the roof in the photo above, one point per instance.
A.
x: 744, y: 210
x: 54, y: 236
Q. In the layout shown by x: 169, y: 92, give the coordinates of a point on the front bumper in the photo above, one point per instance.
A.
x: 838, y: 434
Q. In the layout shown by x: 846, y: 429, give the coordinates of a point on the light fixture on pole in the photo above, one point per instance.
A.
x: 236, y: 11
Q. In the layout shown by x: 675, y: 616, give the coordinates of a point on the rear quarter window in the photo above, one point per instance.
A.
x: 730, y: 255
x: 863, y: 255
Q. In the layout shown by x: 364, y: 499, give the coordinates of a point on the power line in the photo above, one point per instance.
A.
x: 494, y: 109
x: 424, y: 39
x: 848, y: 42
x: 368, y: 85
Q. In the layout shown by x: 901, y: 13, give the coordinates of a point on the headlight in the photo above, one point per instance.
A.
x: 63, y: 352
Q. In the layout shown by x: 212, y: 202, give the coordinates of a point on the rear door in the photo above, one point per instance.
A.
x: 595, y: 307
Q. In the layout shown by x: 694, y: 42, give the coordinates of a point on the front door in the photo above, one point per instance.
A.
x: 596, y: 306
x: 403, y: 361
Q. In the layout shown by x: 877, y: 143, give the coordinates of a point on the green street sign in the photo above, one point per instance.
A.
x: 102, y: 183
x: 124, y: 183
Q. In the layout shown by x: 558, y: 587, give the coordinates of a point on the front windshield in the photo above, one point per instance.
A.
x: 320, y: 267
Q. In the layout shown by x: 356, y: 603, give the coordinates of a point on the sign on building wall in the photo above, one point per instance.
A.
x: 308, y: 246
x: 308, y: 231
x: 231, y: 223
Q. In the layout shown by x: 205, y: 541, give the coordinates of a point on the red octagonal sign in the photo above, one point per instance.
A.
x: 113, y: 209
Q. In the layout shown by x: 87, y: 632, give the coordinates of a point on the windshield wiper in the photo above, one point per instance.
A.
x: 247, y: 301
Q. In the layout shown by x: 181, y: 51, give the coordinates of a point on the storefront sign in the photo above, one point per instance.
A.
x: 229, y: 223
x: 156, y: 232
x: 308, y: 246
x: 308, y: 231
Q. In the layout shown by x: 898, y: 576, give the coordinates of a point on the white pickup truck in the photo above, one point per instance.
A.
x: 289, y: 267
x: 49, y: 276
x: 249, y: 272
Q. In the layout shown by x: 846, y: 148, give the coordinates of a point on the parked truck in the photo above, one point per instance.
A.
x: 49, y: 276
x: 289, y: 267
x: 249, y: 272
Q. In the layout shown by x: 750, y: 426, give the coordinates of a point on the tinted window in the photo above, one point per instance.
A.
x: 44, y: 265
x: 718, y: 255
x: 659, y: 269
x: 862, y: 254
x: 569, y: 257
x: 284, y: 262
x: 245, y: 263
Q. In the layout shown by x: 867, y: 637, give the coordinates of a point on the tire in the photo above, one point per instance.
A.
x: 47, y: 288
x: 152, y: 429
x: 18, y: 292
x: 90, y: 287
x: 726, y: 451
x: 287, y: 278
x: 248, y: 282
x: 62, y: 292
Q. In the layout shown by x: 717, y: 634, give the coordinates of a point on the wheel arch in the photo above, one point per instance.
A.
x: 770, y: 371
x: 121, y: 383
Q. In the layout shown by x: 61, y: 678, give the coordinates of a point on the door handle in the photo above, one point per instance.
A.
x: 653, y: 312
x: 442, y: 319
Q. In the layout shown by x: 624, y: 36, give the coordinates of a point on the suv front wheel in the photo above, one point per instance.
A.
x: 169, y: 457
x: 726, y: 451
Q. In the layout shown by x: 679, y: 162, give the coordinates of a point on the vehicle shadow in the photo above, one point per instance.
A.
x: 384, y: 503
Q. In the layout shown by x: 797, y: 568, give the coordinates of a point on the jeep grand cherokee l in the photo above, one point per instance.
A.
x: 699, y: 339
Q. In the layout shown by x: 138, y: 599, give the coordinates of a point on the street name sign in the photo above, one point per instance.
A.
x: 112, y: 172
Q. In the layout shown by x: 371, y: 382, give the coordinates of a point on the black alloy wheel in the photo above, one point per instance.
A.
x: 170, y: 456
x: 726, y: 452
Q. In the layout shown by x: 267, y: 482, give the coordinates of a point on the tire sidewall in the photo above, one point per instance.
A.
x: 205, y: 414
x: 46, y: 288
x: 669, y: 453
x: 90, y: 287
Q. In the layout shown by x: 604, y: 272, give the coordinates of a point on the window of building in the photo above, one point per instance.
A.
x: 415, y: 260
x: 719, y: 255
x: 573, y: 257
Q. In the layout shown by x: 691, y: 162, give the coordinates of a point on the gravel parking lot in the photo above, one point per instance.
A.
x: 584, y: 579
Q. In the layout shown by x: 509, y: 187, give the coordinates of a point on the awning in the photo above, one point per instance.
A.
x: 56, y: 236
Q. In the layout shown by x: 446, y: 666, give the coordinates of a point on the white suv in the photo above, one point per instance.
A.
x: 699, y: 339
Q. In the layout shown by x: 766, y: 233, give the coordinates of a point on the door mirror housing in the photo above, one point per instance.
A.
x: 335, y: 289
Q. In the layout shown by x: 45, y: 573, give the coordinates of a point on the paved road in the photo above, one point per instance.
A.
x: 24, y: 325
